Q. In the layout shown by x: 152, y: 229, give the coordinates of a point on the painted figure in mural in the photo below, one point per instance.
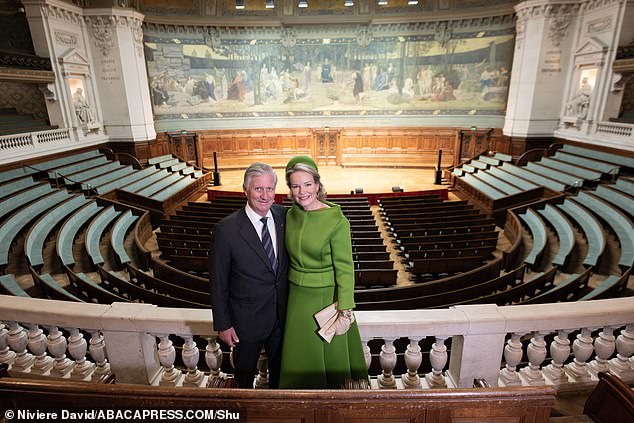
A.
x: 380, y: 81
x: 82, y: 107
x: 308, y: 76
x: 578, y: 105
x: 326, y: 71
x: 425, y: 78
x: 357, y: 88
x: 159, y: 93
x: 210, y: 87
x: 237, y: 89
x: 407, y: 93
x: 390, y: 72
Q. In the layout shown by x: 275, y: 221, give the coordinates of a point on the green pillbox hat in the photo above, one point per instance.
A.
x: 303, y: 160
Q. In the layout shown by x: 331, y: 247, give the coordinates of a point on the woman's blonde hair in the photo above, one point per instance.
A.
x: 321, y: 192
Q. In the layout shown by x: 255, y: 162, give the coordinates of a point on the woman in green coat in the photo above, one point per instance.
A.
x: 321, y: 272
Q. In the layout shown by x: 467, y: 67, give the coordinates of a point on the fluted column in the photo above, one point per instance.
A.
x: 97, y: 351
x: 604, y: 346
x: 512, y: 356
x: 559, y: 351
x: 413, y: 358
x: 262, y: 378
x: 6, y: 355
x: 193, y: 377
x: 582, y: 350
x: 438, y: 359
x: 387, y: 358
x: 37, y: 345
x: 57, y: 347
x: 536, y: 352
x: 18, y: 341
x: 213, y: 356
x: 167, y: 355
x: 621, y: 365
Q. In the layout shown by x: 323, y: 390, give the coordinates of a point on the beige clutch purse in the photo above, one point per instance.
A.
x: 331, y: 323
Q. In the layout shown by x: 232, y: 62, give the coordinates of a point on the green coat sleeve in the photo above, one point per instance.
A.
x: 341, y: 247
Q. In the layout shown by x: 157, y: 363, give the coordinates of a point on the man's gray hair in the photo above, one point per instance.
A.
x: 257, y: 169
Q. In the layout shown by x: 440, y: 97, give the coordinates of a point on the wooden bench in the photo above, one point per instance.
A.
x: 41, y: 230
x: 528, y: 404
x: 568, y: 289
x: 578, y: 171
x: 609, y: 288
x: 84, y: 176
x: 108, y: 177
x: 69, y: 230
x: 498, y: 183
x: 603, y: 167
x: 91, y: 290
x: 591, y: 228
x: 375, y: 277
x: 146, y: 181
x: 11, y: 203
x: 564, y: 231
x: 537, y: 228
x: 611, y: 401
x: 166, y: 272
x: 9, y: 285
x: 482, y: 186
x: 60, y: 172
x: 517, y: 181
x: 625, y: 186
x: 140, y: 278
x: 17, y: 222
x: 67, y: 160
x: 158, y: 159
x: 95, y: 232
x: 621, y: 225
x: 120, y: 229
x: 10, y: 188
x: 535, y: 177
x: 617, y: 198
x: 445, y: 265
x: 172, y: 189
x: 554, y: 174
x: 51, y: 288
x: 17, y: 173
x: 126, y: 180
x: 159, y: 185
x: 619, y: 159
x: 168, y: 288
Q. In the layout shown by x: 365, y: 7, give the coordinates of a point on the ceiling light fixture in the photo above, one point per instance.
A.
x: 348, y: 3
x: 412, y: 2
x: 382, y: 2
x: 302, y: 4
x: 239, y: 4
x: 270, y: 4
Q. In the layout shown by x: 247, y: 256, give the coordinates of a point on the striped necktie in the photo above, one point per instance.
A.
x: 268, y: 243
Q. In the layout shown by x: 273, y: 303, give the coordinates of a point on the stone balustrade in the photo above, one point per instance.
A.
x: 135, y: 342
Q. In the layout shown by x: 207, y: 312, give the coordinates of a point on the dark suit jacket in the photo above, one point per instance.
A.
x: 245, y: 292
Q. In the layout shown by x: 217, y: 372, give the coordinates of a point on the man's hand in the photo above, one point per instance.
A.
x: 229, y: 337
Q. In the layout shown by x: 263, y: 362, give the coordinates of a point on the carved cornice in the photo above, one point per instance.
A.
x: 63, y: 12
x: 24, y: 61
x: 26, y: 75
x: 559, y: 16
x: 358, y: 31
x: 104, y: 26
x: 600, y: 4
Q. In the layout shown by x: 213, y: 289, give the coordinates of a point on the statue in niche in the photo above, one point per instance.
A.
x: 578, y: 105
x: 83, y: 110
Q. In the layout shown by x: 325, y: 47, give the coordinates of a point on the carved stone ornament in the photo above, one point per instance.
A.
x: 137, y: 34
x: 103, y: 32
x: 364, y: 37
x: 66, y: 39
x: 289, y: 39
x: 558, y: 28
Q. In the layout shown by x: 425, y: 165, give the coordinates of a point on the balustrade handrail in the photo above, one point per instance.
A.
x: 479, y: 333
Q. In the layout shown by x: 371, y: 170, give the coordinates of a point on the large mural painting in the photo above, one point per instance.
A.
x: 218, y: 73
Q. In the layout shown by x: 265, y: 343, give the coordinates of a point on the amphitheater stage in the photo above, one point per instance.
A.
x: 340, y: 182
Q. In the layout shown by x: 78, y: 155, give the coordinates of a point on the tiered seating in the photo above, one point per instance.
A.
x: 538, y: 232
x: 591, y: 228
x: 95, y: 232
x: 618, y: 159
x: 564, y: 231
x: 459, y: 245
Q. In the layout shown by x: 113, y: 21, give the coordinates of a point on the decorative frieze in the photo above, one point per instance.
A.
x: 102, y: 28
x: 66, y: 39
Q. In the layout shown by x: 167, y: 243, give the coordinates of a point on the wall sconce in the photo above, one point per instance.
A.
x: 412, y: 2
x: 302, y: 4
x: 270, y: 4
x: 239, y: 4
x: 382, y: 2
x: 348, y: 3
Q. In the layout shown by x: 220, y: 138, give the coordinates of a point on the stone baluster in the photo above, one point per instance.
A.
x: 6, y: 355
x: 512, y: 356
x: 413, y: 358
x: 604, y: 346
x: 621, y: 365
x: 582, y: 351
x: 387, y: 358
x: 438, y: 360
x: 97, y: 349
x: 57, y: 347
x: 77, y: 347
x: 262, y: 378
x: 18, y: 341
x: 191, y: 354
x: 559, y: 351
x: 37, y: 345
x: 366, y: 352
x: 536, y: 352
x: 213, y: 356
x: 167, y: 356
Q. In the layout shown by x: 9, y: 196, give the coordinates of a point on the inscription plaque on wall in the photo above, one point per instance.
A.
x: 552, y: 61
x: 109, y: 70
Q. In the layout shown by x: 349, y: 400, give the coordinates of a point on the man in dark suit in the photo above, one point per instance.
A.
x: 248, y: 267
